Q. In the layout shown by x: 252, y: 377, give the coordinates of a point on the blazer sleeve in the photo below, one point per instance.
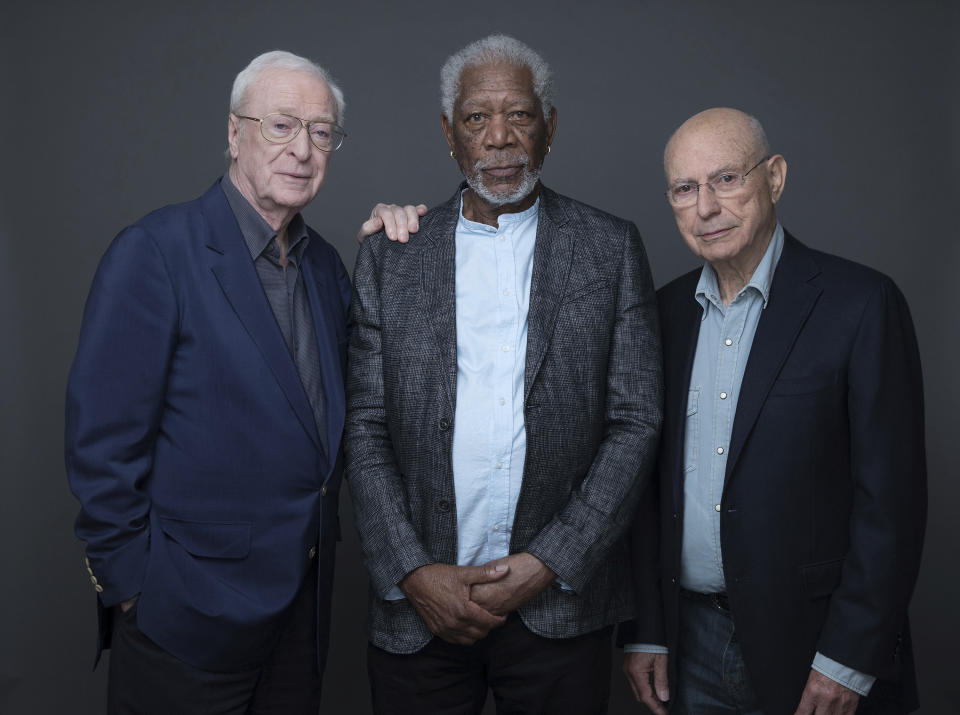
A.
x: 115, y: 396
x: 391, y: 543
x: 597, y: 513
x: 868, y: 609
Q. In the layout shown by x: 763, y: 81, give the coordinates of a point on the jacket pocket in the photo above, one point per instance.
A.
x: 803, y: 385
x: 821, y: 579
x: 210, y: 539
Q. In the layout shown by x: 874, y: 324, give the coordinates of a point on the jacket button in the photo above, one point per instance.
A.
x: 312, y: 553
x: 323, y: 492
x: 443, y: 505
x: 444, y: 424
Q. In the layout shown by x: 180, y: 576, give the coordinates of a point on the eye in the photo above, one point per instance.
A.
x: 726, y: 178
x: 682, y: 189
x: 475, y: 118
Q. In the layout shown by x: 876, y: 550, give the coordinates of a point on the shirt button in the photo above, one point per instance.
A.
x: 723, y: 395
x: 728, y: 342
x: 716, y: 508
x: 496, y: 527
x: 499, y: 465
x: 506, y: 291
x: 719, y: 450
x: 506, y: 348
x: 503, y: 401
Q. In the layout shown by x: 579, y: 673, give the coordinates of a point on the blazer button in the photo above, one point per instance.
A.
x: 312, y: 553
x: 443, y: 505
x: 323, y: 492
x: 444, y: 424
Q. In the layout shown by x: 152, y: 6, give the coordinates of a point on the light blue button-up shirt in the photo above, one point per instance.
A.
x: 494, y: 267
x: 723, y: 346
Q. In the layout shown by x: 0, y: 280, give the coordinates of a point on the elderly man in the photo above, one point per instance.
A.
x: 502, y: 412
x: 204, y: 414
x: 791, y: 494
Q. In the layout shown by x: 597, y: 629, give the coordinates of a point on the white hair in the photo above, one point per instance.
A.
x: 279, y: 59
x: 495, y: 49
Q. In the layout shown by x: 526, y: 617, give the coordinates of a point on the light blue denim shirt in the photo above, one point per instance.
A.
x: 723, y: 346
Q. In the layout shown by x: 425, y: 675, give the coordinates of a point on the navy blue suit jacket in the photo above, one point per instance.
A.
x: 190, y: 441
x: 824, y: 500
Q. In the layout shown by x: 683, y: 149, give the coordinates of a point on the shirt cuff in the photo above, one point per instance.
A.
x: 856, y: 681
x: 644, y: 648
x: 395, y: 594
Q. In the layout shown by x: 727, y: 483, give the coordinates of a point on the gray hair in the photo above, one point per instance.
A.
x: 279, y: 59
x: 495, y: 49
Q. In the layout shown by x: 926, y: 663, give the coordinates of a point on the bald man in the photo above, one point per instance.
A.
x: 778, y: 548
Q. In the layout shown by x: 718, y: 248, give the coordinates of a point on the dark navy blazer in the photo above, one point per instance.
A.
x: 824, y: 500
x: 190, y: 441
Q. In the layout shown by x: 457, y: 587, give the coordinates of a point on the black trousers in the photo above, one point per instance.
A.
x: 526, y: 672
x: 147, y: 680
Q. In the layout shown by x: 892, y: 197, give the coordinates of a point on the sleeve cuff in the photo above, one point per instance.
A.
x: 645, y: 648
x: 856, y: 681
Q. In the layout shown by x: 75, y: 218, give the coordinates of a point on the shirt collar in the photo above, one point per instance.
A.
x: 503, y: 220
x: 708, y: 289
x: 257, y: 233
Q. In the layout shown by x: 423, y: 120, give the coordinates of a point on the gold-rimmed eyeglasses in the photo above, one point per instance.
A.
x: 724, y: 184
x: 279, y: 128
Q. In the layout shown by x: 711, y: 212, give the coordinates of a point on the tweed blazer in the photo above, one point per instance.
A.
x: 592, y: 413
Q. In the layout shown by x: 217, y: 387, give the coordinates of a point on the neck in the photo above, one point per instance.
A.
x: 477, y: 209
x: 277, y: 217
x: 734, y: 274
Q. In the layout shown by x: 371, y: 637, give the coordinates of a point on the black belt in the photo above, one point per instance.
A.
x: 714, y: 600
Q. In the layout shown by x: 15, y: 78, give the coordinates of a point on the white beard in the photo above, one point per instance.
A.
x: 528, y: 182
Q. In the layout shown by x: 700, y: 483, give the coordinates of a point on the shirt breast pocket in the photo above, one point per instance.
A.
x: 691, y: 431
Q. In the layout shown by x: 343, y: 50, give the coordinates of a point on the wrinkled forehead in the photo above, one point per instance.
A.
x: 284, y: 90
x: 699, y: 150
x: 500, y: 78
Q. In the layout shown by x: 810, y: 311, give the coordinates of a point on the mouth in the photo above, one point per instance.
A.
x: 712, y: 235
x: 502, y: 172
x: 295, y: 177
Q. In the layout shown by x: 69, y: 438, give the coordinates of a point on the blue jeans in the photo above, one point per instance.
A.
x: 712, y: 677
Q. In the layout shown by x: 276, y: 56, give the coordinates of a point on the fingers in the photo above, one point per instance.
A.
x: 638, y: 668
x: 369, y: 227
x: 660, y: 682
x: 487, y: 573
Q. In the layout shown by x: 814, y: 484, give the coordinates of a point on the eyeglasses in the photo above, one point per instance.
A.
x: 282, y: 128
x: 722, y: 185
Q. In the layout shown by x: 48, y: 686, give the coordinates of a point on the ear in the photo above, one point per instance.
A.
x: 233, y: 135
x: 776, y: 176
x: 447, y: 131
x: 551, y: 125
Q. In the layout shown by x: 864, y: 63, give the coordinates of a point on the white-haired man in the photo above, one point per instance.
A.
x: 503, y: 411
x: 204, y: 413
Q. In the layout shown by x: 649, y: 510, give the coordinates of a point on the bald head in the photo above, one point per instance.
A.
x: 731, y: 126
x: 724, y: 184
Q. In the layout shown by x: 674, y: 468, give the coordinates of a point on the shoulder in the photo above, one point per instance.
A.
x: 563, y: 209
x: 679, y: 290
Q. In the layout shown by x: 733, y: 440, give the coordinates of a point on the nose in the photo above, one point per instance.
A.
x: 499, y: 133
x: 707, y: 202
x: 300, y: 145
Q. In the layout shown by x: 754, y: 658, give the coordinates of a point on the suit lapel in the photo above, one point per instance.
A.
x: 327, y: 350
x: 792, y: 297
x: 678, y: 367
x: 438, y: 269
x: 238, y: 279
x: 552, y: 254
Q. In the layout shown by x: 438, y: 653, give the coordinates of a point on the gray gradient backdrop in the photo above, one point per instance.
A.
x: 111, y: 110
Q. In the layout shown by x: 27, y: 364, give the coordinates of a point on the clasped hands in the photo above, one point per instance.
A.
x: 461, y: 604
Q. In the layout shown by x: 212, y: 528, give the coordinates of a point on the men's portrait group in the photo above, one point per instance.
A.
x: 546, y: 456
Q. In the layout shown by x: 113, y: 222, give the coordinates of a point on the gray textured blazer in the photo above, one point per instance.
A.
x: 592, y: 411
